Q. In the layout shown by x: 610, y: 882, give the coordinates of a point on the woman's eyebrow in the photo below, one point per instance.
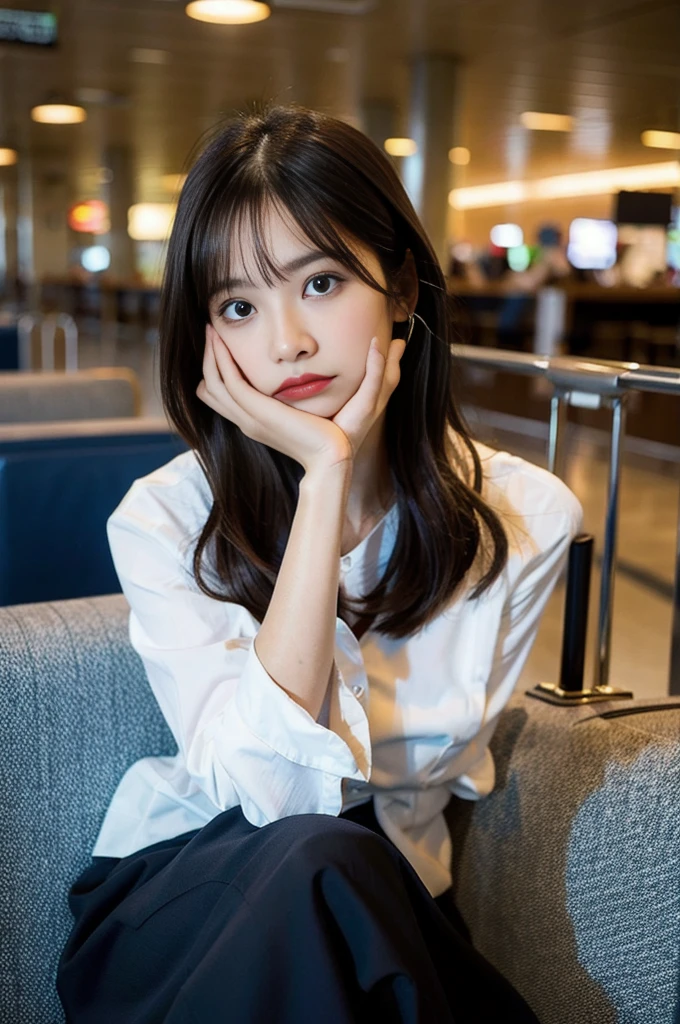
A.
x: 285, y: 270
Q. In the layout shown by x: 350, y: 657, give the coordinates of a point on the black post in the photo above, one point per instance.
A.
x: 576, y: 613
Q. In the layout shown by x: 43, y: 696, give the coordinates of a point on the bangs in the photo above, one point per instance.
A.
x: 230, y: 231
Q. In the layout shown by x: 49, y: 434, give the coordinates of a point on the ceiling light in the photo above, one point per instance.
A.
x: 567, y: 186
x: 228, y: 12
x: 547, y: 122
x: 150, y: 222
x: 400, y: 147
x: 460, y: 156
x: 661, y: 140
x: 58, y: 113
x: 8, y: 157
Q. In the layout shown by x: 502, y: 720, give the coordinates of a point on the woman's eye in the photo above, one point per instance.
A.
x: 322, y: 284
x: 237, y: 310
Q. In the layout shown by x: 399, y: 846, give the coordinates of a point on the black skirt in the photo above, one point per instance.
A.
x: 309, y: 919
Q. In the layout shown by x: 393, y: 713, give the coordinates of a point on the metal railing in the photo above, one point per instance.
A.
x: 49, y: 325
x: 594, y: 383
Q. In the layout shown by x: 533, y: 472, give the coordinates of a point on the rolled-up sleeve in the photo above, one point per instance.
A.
x: 243, y: 739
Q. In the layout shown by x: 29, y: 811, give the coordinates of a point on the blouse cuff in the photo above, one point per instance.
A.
x: 342, y: 750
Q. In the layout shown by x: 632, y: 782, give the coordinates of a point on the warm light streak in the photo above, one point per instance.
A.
x: 8, y: 157
x: 661, y: 140
x: 546, y: 122
x: 567, y: 186
x: 58, y: 113
x: 400, y: 147
x: 228, y: 12
x: 500, y: 194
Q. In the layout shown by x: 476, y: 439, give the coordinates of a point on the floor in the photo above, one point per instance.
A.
x: 647, y: 529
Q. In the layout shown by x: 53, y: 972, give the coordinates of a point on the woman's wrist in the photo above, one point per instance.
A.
x: 322, y: 476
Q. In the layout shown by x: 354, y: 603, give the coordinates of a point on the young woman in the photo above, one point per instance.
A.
x: 333, y: 592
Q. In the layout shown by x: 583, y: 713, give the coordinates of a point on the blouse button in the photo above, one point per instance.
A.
x: 346, y: 562
x: 357, y: 689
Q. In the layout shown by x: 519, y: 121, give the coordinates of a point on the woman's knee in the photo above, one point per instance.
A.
x: 321, y: 839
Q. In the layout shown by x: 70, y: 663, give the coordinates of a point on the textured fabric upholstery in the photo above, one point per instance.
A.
x: 76, y: 712
x: 567, y: 874
x: 82, y: 395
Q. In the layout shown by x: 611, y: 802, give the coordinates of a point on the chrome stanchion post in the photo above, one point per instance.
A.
x: 604, y: 631
x: 590, y: 385
x: 674, y: 674
x: 584, y: 382
x: 47, y: 335
x: 70, y: 329
x: 25, y: 326
x: 556, y: 435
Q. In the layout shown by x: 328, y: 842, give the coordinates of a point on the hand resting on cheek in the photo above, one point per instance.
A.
x: 308, y: 439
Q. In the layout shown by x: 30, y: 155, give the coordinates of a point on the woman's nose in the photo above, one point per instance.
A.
x: 291, y: 338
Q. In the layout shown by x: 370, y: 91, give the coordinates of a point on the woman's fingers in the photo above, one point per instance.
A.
x: 382, y: 376
x: 213, y: 389
x: 392, y: 373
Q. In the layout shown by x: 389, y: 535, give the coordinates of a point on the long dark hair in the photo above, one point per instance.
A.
x: 337, y: 185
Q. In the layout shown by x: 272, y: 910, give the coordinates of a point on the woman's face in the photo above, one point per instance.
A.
x: 319, y: 320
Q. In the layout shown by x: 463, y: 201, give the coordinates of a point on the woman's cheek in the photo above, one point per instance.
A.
x: 358, y: 322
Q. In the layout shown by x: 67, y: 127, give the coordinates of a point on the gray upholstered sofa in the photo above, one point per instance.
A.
x: 568, y: 874
x: 103, y: 392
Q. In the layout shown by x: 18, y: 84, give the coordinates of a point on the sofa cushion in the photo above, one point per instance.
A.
x: 567, y: 874
x: 99, y: 393
x: 77, y: 712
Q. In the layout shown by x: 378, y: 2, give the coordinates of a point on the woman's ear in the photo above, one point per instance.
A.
x: 406, y: 288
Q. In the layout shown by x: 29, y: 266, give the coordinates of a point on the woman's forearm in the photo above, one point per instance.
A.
x: 296, y: 640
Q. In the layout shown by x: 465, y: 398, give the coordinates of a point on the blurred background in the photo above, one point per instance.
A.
x: 540, y: 143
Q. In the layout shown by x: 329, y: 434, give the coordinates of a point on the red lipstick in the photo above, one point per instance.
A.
x: 302, y: 387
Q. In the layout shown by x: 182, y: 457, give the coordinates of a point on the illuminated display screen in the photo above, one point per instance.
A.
x: 33, y: 28
x: 592, y: 244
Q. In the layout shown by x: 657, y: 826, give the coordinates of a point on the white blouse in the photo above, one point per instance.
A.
x: 408, y: 722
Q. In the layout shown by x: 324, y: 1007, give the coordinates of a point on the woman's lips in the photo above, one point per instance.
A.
x: 304, y: 390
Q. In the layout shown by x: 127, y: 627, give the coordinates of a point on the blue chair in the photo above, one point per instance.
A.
x: 59, y: 483
x: 9, y: 347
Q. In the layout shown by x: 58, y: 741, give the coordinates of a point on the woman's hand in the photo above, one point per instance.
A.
x: 383, y: 373
x: 310, y: 440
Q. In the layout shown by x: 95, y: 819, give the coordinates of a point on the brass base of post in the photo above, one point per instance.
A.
x: 553, y: 694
